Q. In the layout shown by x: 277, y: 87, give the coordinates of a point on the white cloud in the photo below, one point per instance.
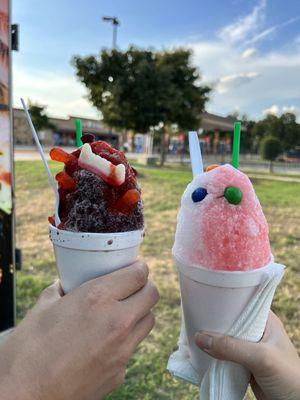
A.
x: 276, y: 110
x: 290, y: 109
x: 251, y: 83
x: 246, y: 25
x: 63, y: 94
x: 273, y: 110
x: 226, y: 83
x: 263, y: 34
x: 249, y: 53
x: 250, y: 29
x: 267, y: 32
x: 248, y: 79
x: 239, y: 74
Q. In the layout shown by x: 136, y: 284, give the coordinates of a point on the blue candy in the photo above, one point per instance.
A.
x: 199, y: 194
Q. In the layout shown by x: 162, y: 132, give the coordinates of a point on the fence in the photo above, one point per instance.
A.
x: 247, y: 161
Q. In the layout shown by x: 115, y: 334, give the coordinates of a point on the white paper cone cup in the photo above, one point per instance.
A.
x: 213, y: 301
x: 82, y: 256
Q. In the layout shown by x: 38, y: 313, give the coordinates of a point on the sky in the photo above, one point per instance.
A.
x: 247, y: 50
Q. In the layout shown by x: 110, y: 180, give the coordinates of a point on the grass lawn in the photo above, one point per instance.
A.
x: 146, y: 377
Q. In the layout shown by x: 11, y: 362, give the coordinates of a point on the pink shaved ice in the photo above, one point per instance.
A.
x: 215, y: 234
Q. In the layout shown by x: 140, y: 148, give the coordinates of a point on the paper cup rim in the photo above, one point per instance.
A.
x: 229, y: 279
x: 95, y: 241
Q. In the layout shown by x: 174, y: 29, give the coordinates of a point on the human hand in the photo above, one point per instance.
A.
x: 77, y: 346
x: 273, y: 362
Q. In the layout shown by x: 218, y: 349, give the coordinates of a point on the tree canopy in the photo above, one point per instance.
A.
x: 284, y: 128
x: 138, y: 89
x: 270, y: 149
x: 39, y: 117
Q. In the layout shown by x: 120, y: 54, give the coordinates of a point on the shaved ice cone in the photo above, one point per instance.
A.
x: 101, y: 213
x: 226, y: 272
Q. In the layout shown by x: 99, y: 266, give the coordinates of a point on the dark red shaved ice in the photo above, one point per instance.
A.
x: 88, y: 204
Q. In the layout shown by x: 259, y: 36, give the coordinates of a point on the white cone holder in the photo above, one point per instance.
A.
x: 227, y: 302
x: 82, y: 256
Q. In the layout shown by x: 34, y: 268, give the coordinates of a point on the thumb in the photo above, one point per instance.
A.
x: 228, y: 348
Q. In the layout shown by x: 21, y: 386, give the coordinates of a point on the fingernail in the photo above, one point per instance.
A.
x: 204, y: 341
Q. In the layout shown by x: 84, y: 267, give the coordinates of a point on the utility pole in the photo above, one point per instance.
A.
x: 115, y: 23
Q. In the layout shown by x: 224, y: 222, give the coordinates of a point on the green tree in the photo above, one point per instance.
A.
x: 138, y: 89
x: 270, y: 149
x: 285, y: 128
x: 290, y: 133
x: 248, y: 142
x: 39, y: 117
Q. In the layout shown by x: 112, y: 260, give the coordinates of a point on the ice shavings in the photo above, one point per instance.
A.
x: 218, y: 235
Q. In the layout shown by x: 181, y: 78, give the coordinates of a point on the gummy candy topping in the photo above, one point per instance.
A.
x: 218, y: 231
x: 92, y: 202
x: 112, y: 174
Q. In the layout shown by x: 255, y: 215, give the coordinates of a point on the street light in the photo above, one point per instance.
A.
x: 115, y: 22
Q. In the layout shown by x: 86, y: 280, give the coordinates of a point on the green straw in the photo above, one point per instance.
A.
x: 78, y: 127
x: 236, y: 144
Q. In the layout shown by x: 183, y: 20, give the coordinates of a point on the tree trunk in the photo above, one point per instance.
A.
x: 162, y: 148
x: 271, y: 167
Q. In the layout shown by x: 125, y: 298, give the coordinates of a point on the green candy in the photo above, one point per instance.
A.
x: 233, y: 195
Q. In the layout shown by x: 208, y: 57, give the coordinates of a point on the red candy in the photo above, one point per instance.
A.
x: 128, y: 201
x: 116, y: 157
x: 72, y: 166
x: 65, y: 181
x: 111, y: 178
x: 51, y: 220
x: 87, y: 138
x: 60, y: 155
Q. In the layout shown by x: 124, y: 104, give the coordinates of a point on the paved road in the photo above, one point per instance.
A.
x: 23, y: 153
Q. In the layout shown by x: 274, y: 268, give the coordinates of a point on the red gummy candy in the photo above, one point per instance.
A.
x: 76, y: 153
x: 72, y: 166
x: 87, y: 138
x: 116, y: 157
x: 128, y: 201
x: 65, y: 181
x: 51, y: 220
x: 60, y: 155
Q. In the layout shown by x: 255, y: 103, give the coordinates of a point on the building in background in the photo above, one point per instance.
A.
x: 64, y: 132
x: 215, y: 133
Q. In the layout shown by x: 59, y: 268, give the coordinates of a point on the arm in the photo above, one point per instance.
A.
x: 78, y: 346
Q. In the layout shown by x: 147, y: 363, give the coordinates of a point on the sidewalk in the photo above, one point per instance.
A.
x: 272, y: 177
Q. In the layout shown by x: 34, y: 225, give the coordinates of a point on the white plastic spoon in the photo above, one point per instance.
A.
x: 50, y: 176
